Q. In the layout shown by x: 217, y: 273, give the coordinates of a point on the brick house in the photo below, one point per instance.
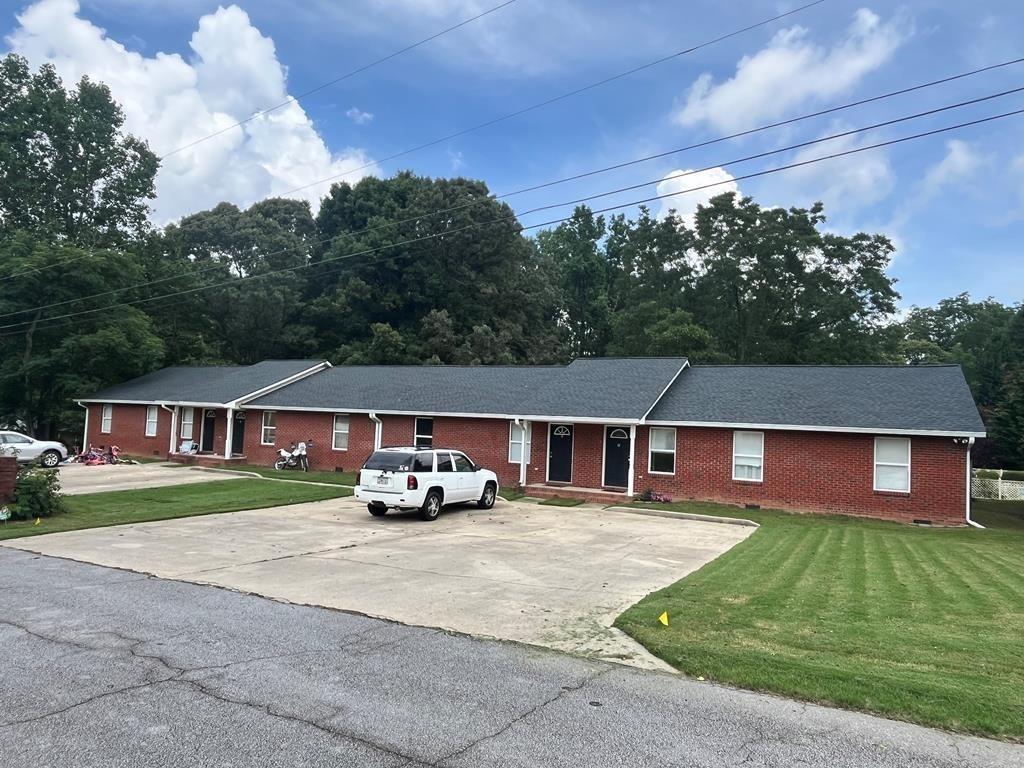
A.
x: 891, y: 442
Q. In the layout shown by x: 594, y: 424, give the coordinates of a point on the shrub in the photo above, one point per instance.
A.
x: 36, y: 494
x: 651, y: 495
x: 1008, y: 474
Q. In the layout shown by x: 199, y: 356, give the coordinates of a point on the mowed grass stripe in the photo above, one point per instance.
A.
x: 915, y: 623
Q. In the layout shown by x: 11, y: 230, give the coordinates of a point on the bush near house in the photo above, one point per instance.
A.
x: 36, y: 494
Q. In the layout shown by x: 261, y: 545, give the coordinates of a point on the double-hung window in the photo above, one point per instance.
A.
x: 188, y: 420
x: 892, y: 464
x: 106, y: 418
x: 518, y: 443
x: 268, y: 434
x: 340, y: 438
x: 748, y: 456
x: 423, y: 432
x: 661, y: 459
x: 151, y: 417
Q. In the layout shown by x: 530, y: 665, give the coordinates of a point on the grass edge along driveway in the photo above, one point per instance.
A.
x: 97, y: 510
x: 918, y: 624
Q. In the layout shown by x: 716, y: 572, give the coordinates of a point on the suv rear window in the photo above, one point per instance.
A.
x: 389, y: 460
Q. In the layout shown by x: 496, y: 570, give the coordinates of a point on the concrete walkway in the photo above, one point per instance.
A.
x: 110, y: 669
x: 78, y: 478
x: 549, y: 576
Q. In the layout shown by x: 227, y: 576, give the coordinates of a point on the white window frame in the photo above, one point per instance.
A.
x: 651, y: 450
x: 524, y: 442
x: 416, y: 435
x: 735, y: 434
x: 106, y: 418
x: 877, y: 464
x: 264, y: 426
x: 188, y: 422
x: 152, y: 420
x: 335, y: 432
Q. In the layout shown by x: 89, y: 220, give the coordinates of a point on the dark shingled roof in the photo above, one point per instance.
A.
x: 899, y: 397
x: 203, y: 384
x: 606, y: 388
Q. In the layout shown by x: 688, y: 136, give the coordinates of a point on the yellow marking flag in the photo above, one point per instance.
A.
x: 38, y: 521
x: 664, y: 618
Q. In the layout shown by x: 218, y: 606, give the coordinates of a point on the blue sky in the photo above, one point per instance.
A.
x: 954, y: 204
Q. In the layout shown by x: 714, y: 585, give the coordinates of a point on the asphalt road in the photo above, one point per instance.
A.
x: 102, y: 667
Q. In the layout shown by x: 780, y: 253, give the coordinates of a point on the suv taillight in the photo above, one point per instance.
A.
x: 411, y: 483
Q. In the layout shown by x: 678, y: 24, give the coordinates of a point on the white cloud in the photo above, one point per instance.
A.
x: 685, y: 204
x: 843, y: 184
x: 961, y: 161
x: 791, y: 71
x: 358, y: 116
x: 168, y: 101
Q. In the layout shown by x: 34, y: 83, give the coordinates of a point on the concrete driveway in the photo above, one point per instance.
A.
x: 540, y: 575
x: 78, y: 478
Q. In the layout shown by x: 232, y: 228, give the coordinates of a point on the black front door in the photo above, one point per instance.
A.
x: 616, y: 457
x: 238, y: 435
x: 209, y: 425
x: 560, y: 453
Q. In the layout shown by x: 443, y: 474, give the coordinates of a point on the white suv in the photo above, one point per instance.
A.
x: 49, y: 453
x: 425, y: 479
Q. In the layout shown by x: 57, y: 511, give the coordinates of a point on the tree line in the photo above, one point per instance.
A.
x: 416, y: 270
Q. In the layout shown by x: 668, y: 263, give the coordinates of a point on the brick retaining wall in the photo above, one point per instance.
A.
x: 8, y: 476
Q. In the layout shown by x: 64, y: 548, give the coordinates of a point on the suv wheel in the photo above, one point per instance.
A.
x: 50, y: 459
x: 487, y: 500
x: 431, y: 506
x: 377, y: 510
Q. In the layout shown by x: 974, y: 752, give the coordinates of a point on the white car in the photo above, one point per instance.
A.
x: 27, y: 449
x: 425, y: 479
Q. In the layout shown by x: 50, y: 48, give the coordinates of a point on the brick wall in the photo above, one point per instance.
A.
x: 814, y: 472
x: 128, y: 430
x: 8, y: 476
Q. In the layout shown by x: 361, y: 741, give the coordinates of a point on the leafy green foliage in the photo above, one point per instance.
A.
x: 36, y: 494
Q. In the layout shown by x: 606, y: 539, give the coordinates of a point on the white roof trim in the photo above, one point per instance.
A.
x: 155, y: 402
x: 818, y: 428
x: 683, y: 367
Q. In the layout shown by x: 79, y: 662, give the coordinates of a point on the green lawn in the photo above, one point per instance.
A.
x: 511, y: 492
x: 920, y: 624
x: 95, y: 510
x: 334, y: 478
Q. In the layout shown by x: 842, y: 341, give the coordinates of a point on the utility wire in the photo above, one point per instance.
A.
x: 490, y: 198
x: 554, y: 99
x: 513, y: 218
x: 509, y: 115
x: 329, y: 83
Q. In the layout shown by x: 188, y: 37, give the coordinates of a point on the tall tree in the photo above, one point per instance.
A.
x: 67, y: 172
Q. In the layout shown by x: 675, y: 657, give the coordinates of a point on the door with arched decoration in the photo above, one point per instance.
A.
x: 616, y: 457
x: 560, y: 453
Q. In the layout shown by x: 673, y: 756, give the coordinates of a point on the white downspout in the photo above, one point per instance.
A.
x: 523, y: 457
x: 230, y: 433
x: 632, y: 456
x: 378, y: 429
x: 970, y: 444
x: 174, y: 425
x: 85, y: 432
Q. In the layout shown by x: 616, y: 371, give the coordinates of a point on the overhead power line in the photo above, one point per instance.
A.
x: 511, y: 115
x: 329, y: 83
x: 49, y: 322
x: 491, y: 198
x: 554, y: 99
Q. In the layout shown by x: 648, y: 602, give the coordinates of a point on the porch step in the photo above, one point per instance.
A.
x: 205, y: 460
x: 593, y: 495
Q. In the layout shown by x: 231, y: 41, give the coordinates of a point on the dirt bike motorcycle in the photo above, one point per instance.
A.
x: 294, y: 457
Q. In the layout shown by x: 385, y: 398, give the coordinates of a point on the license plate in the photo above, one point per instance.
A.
x: 384, y: 481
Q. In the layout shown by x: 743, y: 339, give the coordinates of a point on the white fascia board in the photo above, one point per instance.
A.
x: 279, y: 384
x: 157, y: 402
x: 816, y: 428
x: 683, y: 367
x: 451, y: 414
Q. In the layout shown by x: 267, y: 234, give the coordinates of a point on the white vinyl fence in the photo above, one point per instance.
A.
x: 997, y: 488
